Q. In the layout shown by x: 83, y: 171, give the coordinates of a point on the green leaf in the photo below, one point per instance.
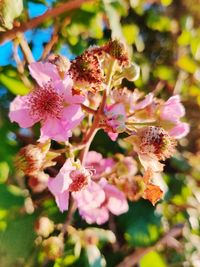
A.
x: 142, y: 225
x: 164, y: 73
x: 10, y: 197
x: 9, y: 10
x: 184, y: 38
x: 188, y: 64
x: 152, y: 258
x: 166, y: 2
x: 130, y: 32
x: 14, y: 86
x: 17, y: 241
x: 158, y: 22
x: 4, y: 171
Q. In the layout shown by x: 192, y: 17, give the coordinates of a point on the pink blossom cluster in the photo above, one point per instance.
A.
x: 61, y: 101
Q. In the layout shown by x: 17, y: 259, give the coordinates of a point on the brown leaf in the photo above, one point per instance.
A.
x: 153, y: 193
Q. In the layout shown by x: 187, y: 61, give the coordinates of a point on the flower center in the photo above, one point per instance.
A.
x: 157, y: 141
x: 45, y: 102
x: 79, y: 180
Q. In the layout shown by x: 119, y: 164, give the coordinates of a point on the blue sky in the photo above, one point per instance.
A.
x: 37, y: 36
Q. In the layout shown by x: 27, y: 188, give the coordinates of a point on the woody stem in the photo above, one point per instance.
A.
x: 87, y: 140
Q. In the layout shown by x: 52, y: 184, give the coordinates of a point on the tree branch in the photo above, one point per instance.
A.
x: 51, y: 13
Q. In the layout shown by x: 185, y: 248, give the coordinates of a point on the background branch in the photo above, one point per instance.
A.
x: 51, y: 13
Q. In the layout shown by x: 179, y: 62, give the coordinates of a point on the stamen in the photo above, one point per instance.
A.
x: 157, y: 141
x: 79, y: 180
x: 86, y: 71
x: 45, y: 102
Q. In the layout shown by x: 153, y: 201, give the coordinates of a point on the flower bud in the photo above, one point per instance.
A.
x: 131, y: 73
x: 38, y: 181
x: 34, y: 158
x: 53, y: 247
x: 44, y: 227
x: 29, y: 159
x: 117, y: 51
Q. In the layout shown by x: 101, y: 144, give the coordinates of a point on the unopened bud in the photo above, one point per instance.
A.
x: 38, y: 182
x: 117, y: 50
x: 53, y: 247
x: 44, y: 227
x: 132, y: 73
x: 29, y: 159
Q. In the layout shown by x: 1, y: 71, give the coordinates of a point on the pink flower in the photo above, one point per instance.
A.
x: 95, y: 161
x: 51, y: 103
x: 71, y: 178
x: 115, y: 120
x: 98, y: 199
x: 172, y: 110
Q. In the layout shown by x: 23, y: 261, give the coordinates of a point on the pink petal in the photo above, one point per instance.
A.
x: 72, y: 116
x: 43, y: 72
x: 68, y: 96
x: 116, y: 200
x: 144, y: 103
x: 113, y: 136
x: 116, y: 109
x: 54, y: 129
x: 60, y: 129
x: 20, y: 113
x: 98, y: 215
x: 91, y: 197
x: 59, y: 185
x: 180, y: 130
x: 93, y: 156
x: 62, y: 201
x: 172, y: 109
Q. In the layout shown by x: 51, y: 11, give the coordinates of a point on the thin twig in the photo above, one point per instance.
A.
x: 20, y: 65
x: 49, y: 46
x: 25, y: 48
x: 33, y: 23
x: 70, y: 213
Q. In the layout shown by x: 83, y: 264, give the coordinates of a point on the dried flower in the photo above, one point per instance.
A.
x: 86, y: 73
x: 152, y: 143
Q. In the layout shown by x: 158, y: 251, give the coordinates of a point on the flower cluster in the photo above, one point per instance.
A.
x: 63, y: 100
